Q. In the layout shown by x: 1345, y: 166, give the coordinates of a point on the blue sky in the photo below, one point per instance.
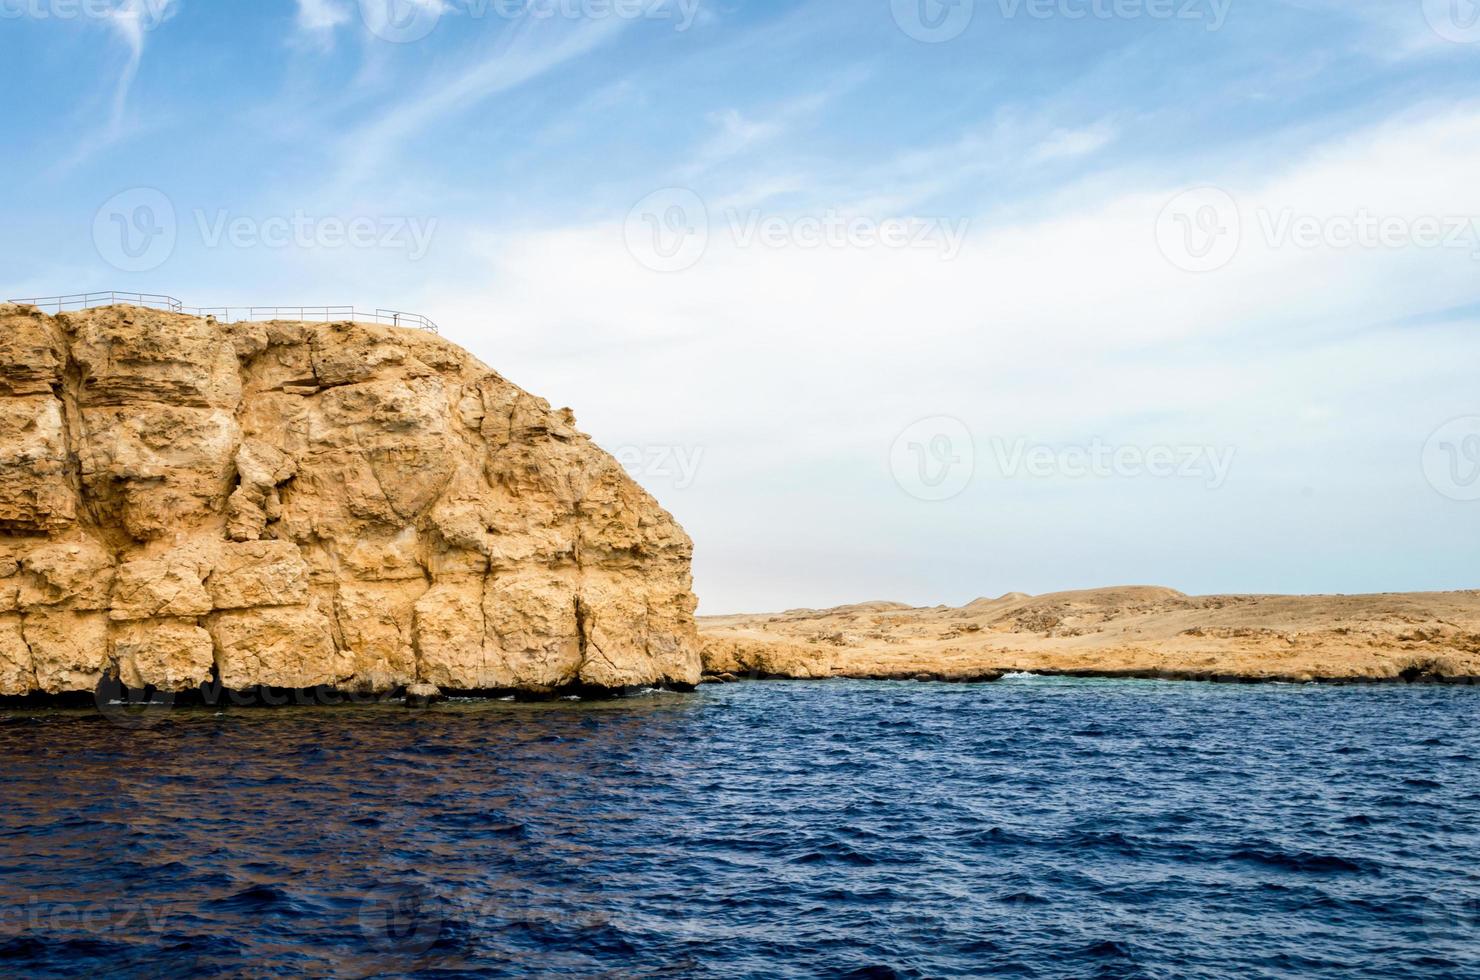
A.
x: 858, y: 289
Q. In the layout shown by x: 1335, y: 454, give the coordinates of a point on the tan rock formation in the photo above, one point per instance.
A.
x: 1137, y: 631
x: 298, y: 504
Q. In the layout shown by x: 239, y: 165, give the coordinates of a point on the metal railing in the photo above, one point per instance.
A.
x: 84, y: 301
x: 324, y: 314
x: 230, y: 314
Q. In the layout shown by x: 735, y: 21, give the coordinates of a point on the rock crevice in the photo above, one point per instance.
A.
x: 298, y: 505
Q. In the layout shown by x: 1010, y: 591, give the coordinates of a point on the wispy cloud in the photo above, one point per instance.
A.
x: 525, y: 51
x: 1398, y: 31
x: 131, y: 21
x: 1069, y: 143
x: 736, y: 133
x: 318, y: 19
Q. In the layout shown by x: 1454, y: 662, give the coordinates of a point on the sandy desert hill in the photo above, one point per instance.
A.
x: 1124, y: 631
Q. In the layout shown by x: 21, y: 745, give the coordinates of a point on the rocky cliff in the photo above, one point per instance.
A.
x: 289, y: 504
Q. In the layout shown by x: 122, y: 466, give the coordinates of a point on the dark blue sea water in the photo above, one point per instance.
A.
x: 1033, y: 828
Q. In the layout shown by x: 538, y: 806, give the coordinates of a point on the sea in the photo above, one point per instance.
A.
x: 1033, y: 827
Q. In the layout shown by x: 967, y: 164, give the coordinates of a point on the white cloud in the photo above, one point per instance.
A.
x: 796, y: 368
x: 320, y: 18
x: 1069, y: 143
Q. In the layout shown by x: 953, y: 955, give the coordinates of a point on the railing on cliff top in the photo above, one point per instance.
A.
x: 229, y: 314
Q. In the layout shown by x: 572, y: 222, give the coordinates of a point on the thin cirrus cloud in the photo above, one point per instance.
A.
x: 522, y: 52
x: 319, y: 19
x: 131, y: 21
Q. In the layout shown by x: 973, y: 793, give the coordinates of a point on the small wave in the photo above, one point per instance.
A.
x: 49, y: 948
x: 878, y: 972
x: 490, y: 824
x: 1108, y: 949
x: 1023, y: 898
x: 1303, y: 863
x: 835, y: 855
x: 256, y: 899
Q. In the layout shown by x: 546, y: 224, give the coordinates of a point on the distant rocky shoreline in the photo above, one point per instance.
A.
x: 1127, y: 632
x: 992, y: 676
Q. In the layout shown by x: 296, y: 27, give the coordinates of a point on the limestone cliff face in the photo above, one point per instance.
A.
x: 296, y: 505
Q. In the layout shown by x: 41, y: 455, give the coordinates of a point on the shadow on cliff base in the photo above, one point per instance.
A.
x: 141, y: 707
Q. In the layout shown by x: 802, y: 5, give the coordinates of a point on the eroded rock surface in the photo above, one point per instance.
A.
x: 298, y: 504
